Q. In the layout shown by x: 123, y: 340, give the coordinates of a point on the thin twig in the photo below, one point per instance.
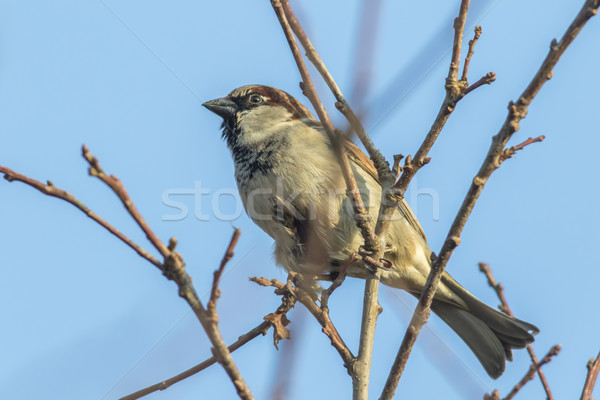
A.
x: 470, y: 52
x: 499, y: 289
x: 214, y: 292
x: 508, y: 153
x: 50, y: 190
x: 593, y: 367
x: 485, y: 80
x: 455, y: 91
x: 386, y: 177
x: 360, y: 368
x: 459, y: 28
x: 117, y: 187
x: 260, y: 329
x: 336, y: 283
x: 322, y: 317
x: 517, y: 111
x: 531, y: 372
x: 396, y: 193
x: 379, y: 161
x: 497, y: 286
x: 363, y: 219
x: 175, y: 270
x: 173, y: 267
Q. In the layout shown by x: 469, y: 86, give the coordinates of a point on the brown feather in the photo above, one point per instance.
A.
x: 362, y: 160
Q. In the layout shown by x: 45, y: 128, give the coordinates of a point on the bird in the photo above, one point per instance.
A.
x: 290, y: 184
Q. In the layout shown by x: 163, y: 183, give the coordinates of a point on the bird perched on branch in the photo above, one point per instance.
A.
x: 290, y: 183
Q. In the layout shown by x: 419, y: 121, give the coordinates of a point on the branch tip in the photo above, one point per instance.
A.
x: 215, y: 293
x: 470, y: 52
x: 532, y: 369
x: 593, y: 367
x: 510, y: 152
x: 487, y: 79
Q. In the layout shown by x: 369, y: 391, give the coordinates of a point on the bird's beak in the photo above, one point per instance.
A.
x: 223, y: 107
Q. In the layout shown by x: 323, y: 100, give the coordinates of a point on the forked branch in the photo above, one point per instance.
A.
x: 321, y: 315
x: 531, y: 372
x: 173, y: 266
x: 455, y: 91
x: 50, y: 190
x: 517, y: 111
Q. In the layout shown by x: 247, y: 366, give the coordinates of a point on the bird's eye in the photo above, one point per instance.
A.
x: 255, y: 98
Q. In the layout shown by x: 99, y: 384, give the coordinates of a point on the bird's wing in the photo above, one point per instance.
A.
x: 357, y: 156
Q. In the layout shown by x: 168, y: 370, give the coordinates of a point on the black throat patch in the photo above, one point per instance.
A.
x: 255, y: 158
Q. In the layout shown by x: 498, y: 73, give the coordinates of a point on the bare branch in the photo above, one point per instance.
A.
x: 485, y: 80
x: 470, y: 52
x: 117, y: 187
x: 396, y: 193
x: 260, y: 329
x: 390, y: 194
x: 320, y: 315
x: 455, y: 91
x: 215, y: 292
x: 531, y: 372
x: 363, y: 219
x: 499, y: 289
x: 459, y: 28
x: 593, y: 367
x: 492, y: 162
x: 510, y: 152
x: 173, y: 267
x: 373, y: 240
x: 336, y: 283
x: 382, y: 166
x: 175, y: 270
x: 50, y: 190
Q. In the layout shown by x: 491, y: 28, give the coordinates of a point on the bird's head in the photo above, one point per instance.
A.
x: 253, y: 113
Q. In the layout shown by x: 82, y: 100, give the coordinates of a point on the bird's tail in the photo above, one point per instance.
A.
x: 489, y: 333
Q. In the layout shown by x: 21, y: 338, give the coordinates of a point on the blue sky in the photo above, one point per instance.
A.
x: 85, y: 317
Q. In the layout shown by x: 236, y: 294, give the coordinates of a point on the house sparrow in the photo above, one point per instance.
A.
x: 289, y: 182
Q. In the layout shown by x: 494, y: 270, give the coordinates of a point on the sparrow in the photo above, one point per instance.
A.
x: 290, y: 183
